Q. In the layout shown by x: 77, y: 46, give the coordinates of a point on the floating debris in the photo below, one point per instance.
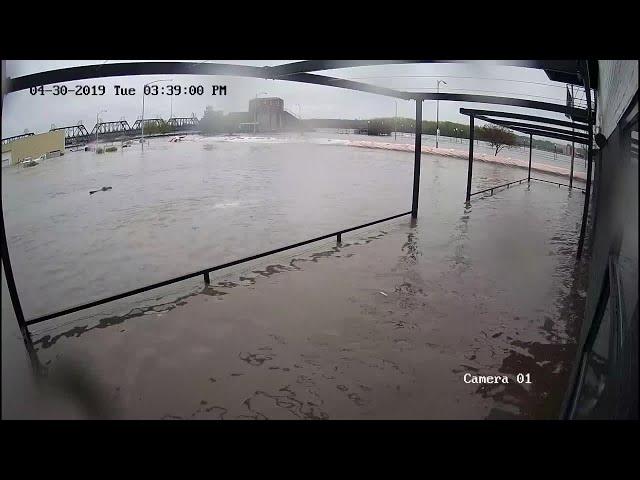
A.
x: 103, y: 189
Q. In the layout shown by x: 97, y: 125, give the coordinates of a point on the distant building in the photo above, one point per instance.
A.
x: 264, y: 115
x: 34, y: 146
x: 267, y: 113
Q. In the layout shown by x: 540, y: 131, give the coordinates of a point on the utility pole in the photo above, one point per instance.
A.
x: 97, y: 127
x: 395, y: 124
x: 142, y: 120
x: 438, y: 112
x: 144, y: 95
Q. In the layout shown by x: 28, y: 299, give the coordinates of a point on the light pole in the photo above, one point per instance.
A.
x: 438, y: 112
x: 144, y: 95
x: 97, y: 128
x: 395, y: 124
x: 171, y: 99
x: 255, y: 111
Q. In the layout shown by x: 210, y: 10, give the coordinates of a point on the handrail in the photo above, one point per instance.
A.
x: 557, y: 183
x: 204, y: 272
x: 498, y: 186
x: 16, y: 137
x: 520, y: 181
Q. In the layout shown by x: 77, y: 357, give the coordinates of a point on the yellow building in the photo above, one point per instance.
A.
x: 34, y: 146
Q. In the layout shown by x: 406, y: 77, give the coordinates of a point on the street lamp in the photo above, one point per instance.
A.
x: 438, y: 112
x: 171, y: 100
x: 98, y: 128
x: 144, y: 95
x: 255, y: 111
x: 395, y: 124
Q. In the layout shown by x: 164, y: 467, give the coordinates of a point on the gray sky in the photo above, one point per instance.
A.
x: 37, y: 113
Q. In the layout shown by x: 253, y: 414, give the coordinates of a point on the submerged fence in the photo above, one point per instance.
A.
x: 204, y: 272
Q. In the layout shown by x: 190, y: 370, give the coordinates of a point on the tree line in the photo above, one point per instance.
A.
x: 215, y: 122
x: 488, y: 133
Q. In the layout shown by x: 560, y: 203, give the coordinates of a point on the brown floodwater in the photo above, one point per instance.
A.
x: 385, y: 325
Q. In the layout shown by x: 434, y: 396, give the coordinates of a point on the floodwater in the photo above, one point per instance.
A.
x: 383, y: 326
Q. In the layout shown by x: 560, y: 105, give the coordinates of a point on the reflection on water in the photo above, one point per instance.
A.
x: 410, y: 249
x: 460, y: 238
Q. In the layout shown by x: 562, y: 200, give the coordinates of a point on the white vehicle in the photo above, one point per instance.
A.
x: 30, y: 162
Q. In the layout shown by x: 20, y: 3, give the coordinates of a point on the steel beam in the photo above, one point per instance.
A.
x: 515, y: 102
x: 111, y: 127
x: 132, y: 68
x: 416, y: 163
x: 585, y: 211
x: 536, y: 131
x: 520, y: 116
x: 190, y: 68
x: 530, y: 152
x: 305, y: 66
x: 573, y: 153
x: 507, y: 123
x: 147, y: 122
x: 470, y: 167
x: 544, y: 133
x: 349, y: 85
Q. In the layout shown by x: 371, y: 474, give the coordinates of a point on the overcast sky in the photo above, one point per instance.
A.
x: 37, y: 113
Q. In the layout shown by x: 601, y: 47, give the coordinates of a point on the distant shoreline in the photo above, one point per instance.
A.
x: 463, y: 154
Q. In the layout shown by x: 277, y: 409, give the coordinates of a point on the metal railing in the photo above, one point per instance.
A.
x: 204, y: 272
x: 16, y: 137
x: 557, y: 183
x: 491, y: 189
x: 498, y: 186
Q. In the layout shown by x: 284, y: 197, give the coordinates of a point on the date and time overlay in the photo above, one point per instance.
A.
x: 119, y: 90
